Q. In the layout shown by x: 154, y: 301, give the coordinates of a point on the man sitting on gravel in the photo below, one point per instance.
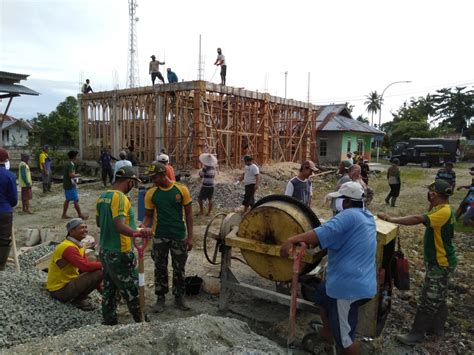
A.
x: 300, y: 186
x: 440, y: 259
x: 71, y: 276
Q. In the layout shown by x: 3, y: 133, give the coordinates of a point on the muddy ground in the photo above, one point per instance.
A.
x: 269, y: 319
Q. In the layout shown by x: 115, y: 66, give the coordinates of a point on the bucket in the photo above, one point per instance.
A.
x: 193, y: 285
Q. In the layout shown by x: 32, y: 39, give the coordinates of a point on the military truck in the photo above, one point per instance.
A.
x: 426, y: 151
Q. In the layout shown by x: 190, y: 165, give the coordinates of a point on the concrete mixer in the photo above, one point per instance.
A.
x: 259, y: 235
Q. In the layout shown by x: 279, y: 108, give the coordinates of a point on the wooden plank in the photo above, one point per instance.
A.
x: 270, y: 295
x: 263, y: 248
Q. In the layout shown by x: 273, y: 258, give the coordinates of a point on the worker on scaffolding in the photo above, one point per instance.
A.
x: 351, y: 240
x: 86, y: 87
x: 172, y: 77
x: 154, y: 70
x: 221, y: 61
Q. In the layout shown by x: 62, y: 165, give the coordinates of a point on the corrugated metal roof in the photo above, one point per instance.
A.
x: 24, y: 123
x: 342, y: 123
x: 17, y: 89
x: 10, y: 78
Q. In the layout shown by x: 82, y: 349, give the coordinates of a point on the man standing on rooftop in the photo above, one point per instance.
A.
x: 221, y: 61
x: 154, y: 70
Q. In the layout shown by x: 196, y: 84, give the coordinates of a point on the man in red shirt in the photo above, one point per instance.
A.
x: 71, y: 275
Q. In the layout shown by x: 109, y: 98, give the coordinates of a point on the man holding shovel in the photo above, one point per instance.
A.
x: 116, y: 219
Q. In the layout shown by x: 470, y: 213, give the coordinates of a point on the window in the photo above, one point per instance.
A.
x: 6, y: 135
x: 323, y: 147
x: 360, y: 146
x: 349, y: 145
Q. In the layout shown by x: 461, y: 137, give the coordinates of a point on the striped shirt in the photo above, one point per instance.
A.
x: 208, y: 173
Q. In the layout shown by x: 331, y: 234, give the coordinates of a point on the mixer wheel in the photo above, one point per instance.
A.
x: 212, y: 240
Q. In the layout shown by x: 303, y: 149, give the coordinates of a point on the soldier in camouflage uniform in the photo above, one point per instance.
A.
x: 166, y: 205
x: 440, y: 258
x: 116, y: 219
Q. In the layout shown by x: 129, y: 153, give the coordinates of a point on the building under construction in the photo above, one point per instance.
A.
x: 190, y: 118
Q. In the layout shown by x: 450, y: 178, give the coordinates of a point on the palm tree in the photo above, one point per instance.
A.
x: 373, y: 104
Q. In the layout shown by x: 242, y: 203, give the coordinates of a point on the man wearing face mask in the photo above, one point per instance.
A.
x: 440, y: 260
x: 116, y: 219
x: 8, y: 200
x: 350, y: 238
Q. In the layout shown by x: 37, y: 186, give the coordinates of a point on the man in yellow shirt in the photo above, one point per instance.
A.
x: 71, y: 276
x: 45, y: 168
x: 24, y: 178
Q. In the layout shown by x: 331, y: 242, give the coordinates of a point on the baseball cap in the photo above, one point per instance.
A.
x: 442, y: 187
x: 127, y: 172
x: 347, y: 164
x: 156, y: 168
x: 73, y: 223
x: 351, y: 189
x: 248, y: 158
x: 163, y: 158
x: 309, y: 164
x: 3, y: 155
x: 153, y: 56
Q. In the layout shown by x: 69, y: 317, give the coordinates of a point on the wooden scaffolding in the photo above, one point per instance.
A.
x: 190, y: 118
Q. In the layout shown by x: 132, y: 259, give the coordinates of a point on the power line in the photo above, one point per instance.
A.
x: 402, y: 93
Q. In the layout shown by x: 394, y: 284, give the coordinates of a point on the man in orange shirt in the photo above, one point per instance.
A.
x: 165, y: 159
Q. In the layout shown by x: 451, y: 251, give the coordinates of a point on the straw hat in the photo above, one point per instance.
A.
x: 208, y: 159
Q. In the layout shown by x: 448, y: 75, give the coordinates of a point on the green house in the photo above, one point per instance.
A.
x: 337, y: 133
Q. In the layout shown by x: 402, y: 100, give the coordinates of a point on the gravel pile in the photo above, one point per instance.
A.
x: 225, y: 195
x: 28, y: 312
x: 201, y: 334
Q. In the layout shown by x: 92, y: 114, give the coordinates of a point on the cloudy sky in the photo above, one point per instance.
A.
x: 350, y: 48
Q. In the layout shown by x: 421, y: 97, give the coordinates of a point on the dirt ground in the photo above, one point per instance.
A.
x: 267, y: 318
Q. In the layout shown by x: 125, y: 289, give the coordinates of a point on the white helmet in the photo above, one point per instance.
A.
x: 163, y: 158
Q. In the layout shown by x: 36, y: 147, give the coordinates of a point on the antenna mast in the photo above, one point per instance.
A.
x: 133, y: 79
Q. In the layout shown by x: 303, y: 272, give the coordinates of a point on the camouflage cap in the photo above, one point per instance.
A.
x: 442, y: 187
x: 127, y: 172
x: 156, y: 168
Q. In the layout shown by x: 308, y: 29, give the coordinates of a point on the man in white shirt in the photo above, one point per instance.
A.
x: 300, y: 186
x: 221, y: 61
x: 154, y: 70
x: 250, y: 177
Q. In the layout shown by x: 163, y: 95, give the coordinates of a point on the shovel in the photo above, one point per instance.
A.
x: 294, y: 294
x: 141, y: 243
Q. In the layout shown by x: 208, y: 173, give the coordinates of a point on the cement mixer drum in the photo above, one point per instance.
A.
x: 270, y: 223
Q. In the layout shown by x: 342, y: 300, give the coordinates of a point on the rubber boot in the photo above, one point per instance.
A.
x: 159, y: 306
x: 387, y: 199
x: 417, y: 333
x: 180, y: 304
x: 4, y: 252
x: 440, y: 317
x: 392, y: 204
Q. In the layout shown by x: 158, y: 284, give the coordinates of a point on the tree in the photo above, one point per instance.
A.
x: 373, y: 104
x: 362, y: 119
x: 454, y: 108
x: 60, y: 127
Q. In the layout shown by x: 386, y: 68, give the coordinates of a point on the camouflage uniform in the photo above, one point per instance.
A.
x: 120, y: 275
x: 434, y: 291
x: 179, y: 255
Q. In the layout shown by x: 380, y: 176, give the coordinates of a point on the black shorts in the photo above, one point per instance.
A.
x: 206, y: 193
x: 223, y: 70
x: 249, y: 197
x: 394, y: 190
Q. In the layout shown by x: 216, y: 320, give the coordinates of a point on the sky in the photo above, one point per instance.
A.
x: 347, y: 48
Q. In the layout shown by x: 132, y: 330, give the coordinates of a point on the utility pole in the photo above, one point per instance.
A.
x: 200, y: 62
x: 133, y: 79
x: 286, y: 81
x: 309, y: 83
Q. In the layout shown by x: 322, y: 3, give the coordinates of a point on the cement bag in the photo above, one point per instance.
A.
x: 47, y: 235
x: 32, y: 237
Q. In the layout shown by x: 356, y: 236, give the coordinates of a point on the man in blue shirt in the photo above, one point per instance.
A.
x: 104, y: 161
x: 172, y: 77
x: 350, y: 238
x: 8, y: 200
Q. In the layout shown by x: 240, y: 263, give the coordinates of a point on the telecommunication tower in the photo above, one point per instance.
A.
x: 133, y: 79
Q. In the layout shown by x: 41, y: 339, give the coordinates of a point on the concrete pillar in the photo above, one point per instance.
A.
x: 159, y: 123
x: 82, y: 115
x: 115, y: 126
